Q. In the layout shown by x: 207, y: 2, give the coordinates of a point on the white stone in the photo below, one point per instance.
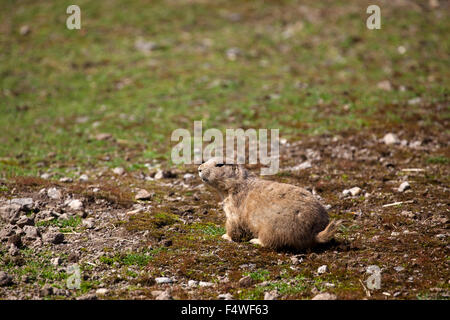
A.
x: 119, y: 171
x: 192, y: 283
x: 54, y: 193
x: 324, y: 296
x: 75, y: 204
x: 391, y: 138
x: 322, y: 269
x: 102, y: 291
x: 404, y: 186
x: 161, y: 280
x: 205, y: 284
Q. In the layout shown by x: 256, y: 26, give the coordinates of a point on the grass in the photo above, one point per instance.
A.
x: 60, y: 87
x: 65, y: 225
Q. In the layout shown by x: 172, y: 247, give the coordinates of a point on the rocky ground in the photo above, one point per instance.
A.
x: 156, y: 234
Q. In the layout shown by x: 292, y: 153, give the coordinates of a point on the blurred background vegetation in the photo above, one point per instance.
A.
x: 111, y: 93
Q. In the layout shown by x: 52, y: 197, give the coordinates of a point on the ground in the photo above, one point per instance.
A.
x: 80, y: 104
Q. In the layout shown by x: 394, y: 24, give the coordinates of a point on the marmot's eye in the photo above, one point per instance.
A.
x: 219, y: 164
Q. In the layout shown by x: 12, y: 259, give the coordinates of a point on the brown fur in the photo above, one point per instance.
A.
x: 278, y: 215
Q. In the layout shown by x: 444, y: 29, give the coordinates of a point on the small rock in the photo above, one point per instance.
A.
x: 31, y: 232
x: 24, y: 30
x: 75, y: 205
x: 10, y: 213
x: 54, y: 194
x: 188, y: 176
x: 7, y: 231
x: 46, y: 176
x: 101, y: 291
x: 15, y: 240
x: 24, y: 203
x: 233, y: 53
x: 399, y: 268
x: 25, y: 221
x: 322, y: 269
x: 103, y: 136
x: 302, y: 166
x: 66, y: 180
x: 414, y: 101
x: 119, y: 171
x: 56, y: 261
x: 246, y: 281
x: 13, y: 250
x: 225, y: 296
x: 441, y: 236
x: 143, y: 194
x: 146, y: 46
x: 53, y: 236
x: 391, y: 138
x: 325, y: 296
x: 385, y: 85
x: 404, y: 186
x: 160, y: 174
x: 164, y: 296
x: 46, y: 290
x: 74, y: 257
x: 192, y: 283
x: 166, y: 242
x: 88, y: 223
x: 161, y: 280
x: 353, y: 191
x: 271, y: 295
x: 5, y: 279
x: 205, y: 284
x: 83, y: 178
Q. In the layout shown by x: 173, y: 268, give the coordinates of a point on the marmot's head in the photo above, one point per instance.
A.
x: 222, y: 174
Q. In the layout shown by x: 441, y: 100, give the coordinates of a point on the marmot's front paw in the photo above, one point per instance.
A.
x: 227, y: 237
x: 256, y: 241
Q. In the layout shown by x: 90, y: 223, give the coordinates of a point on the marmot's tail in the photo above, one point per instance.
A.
x: 328, y: 233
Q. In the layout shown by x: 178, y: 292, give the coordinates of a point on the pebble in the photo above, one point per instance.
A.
x: 271, y: 295
x: 31, y: 232
x: 192, y: 283
x: 225, y: 296
x: 324, y: 296
x: 143, y: 194
x: 53, y: 236
x: 391, y: 138
x: 54, y: 193
x: 119, y: 171
x: 404, y: 186
x: 88, y: 223
x: 75, y: 205
x: 246, y: 281
x: 322, y: 269
x: 205, y: 284
x: 24, y: 203
x: 101, y: 291
x: 161, y: 280
x: 84, y: 178
x: 353, y: 191
x: 188, y: 176
x: 56, y: 261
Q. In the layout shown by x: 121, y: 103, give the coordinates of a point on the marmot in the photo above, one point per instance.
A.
x: 275, y: 215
